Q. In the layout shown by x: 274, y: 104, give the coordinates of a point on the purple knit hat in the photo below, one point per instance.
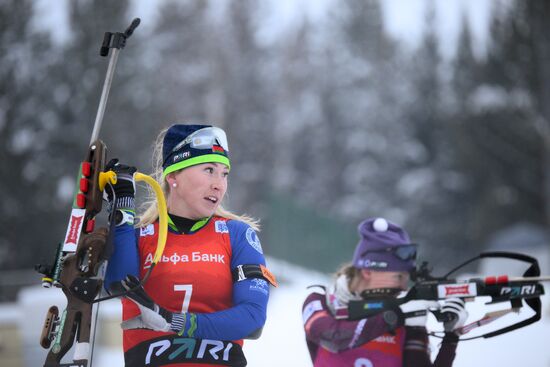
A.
x: 384, y: 246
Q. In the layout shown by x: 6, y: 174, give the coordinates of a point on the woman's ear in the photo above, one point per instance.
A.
x: 361, y: 280
x: 366, y: 274
x: 171, y: 179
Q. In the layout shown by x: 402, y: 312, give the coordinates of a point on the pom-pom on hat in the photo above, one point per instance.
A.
x: 188, y: 145
x: 384, y: 246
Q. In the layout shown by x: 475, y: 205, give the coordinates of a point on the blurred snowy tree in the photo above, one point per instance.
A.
x: 539, y: 13
x: 178, y: 65
x: 50, y: 98
x: 333, y: 114
x: 498, y: 152
x: 342, y: 84
x: 24, y: 126
x: 248, y: 105
x: 427, y: 186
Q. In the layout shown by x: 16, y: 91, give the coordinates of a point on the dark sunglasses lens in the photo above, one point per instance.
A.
x: 406, y: 252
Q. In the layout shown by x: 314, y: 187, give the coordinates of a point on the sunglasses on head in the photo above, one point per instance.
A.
x: 402, y: 252
x: 205, y: 138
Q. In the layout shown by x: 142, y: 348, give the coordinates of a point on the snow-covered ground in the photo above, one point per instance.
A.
x: 282, y: 342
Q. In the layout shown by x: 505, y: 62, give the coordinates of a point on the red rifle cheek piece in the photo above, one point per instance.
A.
x: 86, y: 169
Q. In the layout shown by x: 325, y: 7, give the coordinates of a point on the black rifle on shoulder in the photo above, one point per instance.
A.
x: 518, y: 291
x: 81, y: 258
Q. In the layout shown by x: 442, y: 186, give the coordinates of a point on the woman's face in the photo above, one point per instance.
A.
x: 199, y: 190
x: 384, y: 279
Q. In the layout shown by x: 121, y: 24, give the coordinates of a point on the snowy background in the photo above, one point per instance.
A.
x: 431, y: 113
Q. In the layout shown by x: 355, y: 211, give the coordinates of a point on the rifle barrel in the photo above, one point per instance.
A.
x: 543, y: 278
x: 104, y: 95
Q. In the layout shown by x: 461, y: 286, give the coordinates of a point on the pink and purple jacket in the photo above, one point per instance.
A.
x: 368, y: 342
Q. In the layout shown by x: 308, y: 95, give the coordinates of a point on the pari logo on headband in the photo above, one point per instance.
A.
x: 181, y: 156
x: 371, y: 264
x: 188, y: 145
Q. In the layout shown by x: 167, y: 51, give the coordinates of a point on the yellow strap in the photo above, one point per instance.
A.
x: 163, y: 213
x: 106, y: 177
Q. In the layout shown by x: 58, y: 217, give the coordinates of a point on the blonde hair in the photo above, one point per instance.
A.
x: 353, y: 275
x: 151, y: 214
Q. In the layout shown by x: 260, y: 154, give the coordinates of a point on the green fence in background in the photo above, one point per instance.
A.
x: 305, y: 237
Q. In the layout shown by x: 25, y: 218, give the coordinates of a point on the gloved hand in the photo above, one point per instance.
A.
x: 417, y: 312
x: 152, y: 315
x: 125, y: 188
x: 339, y: 296
x: 456, y: 314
